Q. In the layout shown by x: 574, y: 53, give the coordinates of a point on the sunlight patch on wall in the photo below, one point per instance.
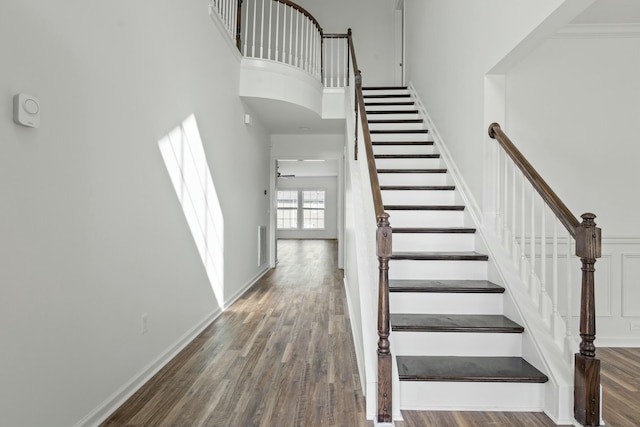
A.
x: 187, y: 165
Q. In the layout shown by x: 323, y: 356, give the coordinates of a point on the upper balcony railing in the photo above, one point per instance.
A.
x: 284, y: 32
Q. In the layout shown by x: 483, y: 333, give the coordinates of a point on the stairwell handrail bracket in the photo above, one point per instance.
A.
x: 383, y: 248
x: 588, y: 244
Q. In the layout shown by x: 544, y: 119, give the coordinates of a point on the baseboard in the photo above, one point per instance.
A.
x: 617, y: 342
x: 246, y: 287
x: 113, y: 402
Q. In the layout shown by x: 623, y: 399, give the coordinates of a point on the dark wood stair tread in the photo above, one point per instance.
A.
x: 402, y: 143
x: 406, y: 156
x: 424, y: 207
x: 418, y: 187
x: 384, y: 88
x: 385, y: 96
x: 397, y: 131
x: 440, y: 256
x: 444, y: 286
x: 397, y: 121
x: 387, y: 104
x: 476, y: 369
x: 438, y: 170
x: 392, y: 112
x: 434, y: 230
x: 481, y: 323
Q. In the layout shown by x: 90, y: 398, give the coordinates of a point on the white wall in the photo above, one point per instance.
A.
x: 573, y: 108
x: 93, y: 235
x: 330, y: 185
x: 450, y: 47
x: 372, y: 23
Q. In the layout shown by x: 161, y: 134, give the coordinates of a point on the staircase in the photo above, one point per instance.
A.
x: 454, y: 348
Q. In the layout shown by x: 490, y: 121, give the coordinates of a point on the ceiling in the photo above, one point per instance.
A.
x: 308, y: 168
x: 610, y: 12
x: 284, y: 118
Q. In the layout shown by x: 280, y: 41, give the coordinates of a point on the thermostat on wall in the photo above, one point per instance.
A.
x: 26, y: 110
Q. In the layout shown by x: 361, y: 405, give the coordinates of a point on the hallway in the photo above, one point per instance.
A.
x: 282, y: 355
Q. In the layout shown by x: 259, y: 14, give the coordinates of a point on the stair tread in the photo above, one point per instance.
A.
x: 398, y: 121
x: 444, y: 286
x: 435, y: 230
x: 392, y: 112
x: 418, y: 187
x: 484, y: 323
x: 440, y: 256
x: 424, y: 207
x: 402, y: 143
x: 438, y: 170
x: 398, y: 131
x: 390, y: 95
x: 481, y: 369
x: 406, y: 156
x: 384, y: 88
x: 386, y: 104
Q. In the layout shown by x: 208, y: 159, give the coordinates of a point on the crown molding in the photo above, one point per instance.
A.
x: 598, y: 31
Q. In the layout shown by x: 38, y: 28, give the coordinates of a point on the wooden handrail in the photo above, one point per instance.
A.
x: 588, y: 239
x: 548, y: 195
x: 383, y: 250
x: 303, y: 11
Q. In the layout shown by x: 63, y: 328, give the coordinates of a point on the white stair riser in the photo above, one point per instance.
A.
x: 433, y: 242
x: 413, y: 179
x: 392, y: 116
x: 471, y: 396
x: 437, y: 270
x: 394, y: 126
x: 398, y: 98
x: 389, y: 107
x: 445, y: 303
x: 408, y: 163
x: 403, y: 149
x: 401, y: 137
x: 426, y: 218
x: 366, y: 92
x: 418, y: 197
x: 456, y: 344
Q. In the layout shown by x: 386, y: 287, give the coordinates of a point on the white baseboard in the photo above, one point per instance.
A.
x: 617, y: 342
x: 113, y: 402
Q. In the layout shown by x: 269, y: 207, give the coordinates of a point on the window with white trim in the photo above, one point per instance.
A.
x: 301, y: 209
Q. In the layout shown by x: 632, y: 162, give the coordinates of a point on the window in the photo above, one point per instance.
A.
x: 300, y: 209
x: 287, y: 204
x: 313, y: 209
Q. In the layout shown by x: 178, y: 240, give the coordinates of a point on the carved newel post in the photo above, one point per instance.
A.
x: 587, y: 367
x: 383, y: 241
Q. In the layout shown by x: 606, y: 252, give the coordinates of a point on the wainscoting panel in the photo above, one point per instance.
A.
x: 631, y: 285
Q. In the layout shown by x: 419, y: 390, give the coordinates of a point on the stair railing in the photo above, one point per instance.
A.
x: 524, y: 213
x: 383, y: 249
x: 284, y: 32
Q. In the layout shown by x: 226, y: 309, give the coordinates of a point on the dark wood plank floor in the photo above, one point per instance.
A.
x: 620, y: 378
x: 283, y: 355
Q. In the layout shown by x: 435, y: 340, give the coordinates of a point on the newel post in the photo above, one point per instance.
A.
x: 383, y: 242
x: 587, y: 367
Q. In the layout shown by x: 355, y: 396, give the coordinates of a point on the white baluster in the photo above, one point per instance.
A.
x: 246, y: 30
x: 554, y: 297
x: 523, y: 226
x: 291, y: 38
x: 262, y: 22
x: 255, y: 16
x: 270, y: 27
x: 569, y: 290
x: 532, y: 279
x: 514, y: 242
x: 498, y: 223
x: 505, y: 211
x: 543, y: 259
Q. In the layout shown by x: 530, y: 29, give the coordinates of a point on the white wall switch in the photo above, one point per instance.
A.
x: 26, y: 110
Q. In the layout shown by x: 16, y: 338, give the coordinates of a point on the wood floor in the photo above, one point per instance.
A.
x: 283, y: 355
x: 620, y: 379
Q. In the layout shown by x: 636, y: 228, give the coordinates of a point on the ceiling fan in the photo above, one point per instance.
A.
x: 284, y: 176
